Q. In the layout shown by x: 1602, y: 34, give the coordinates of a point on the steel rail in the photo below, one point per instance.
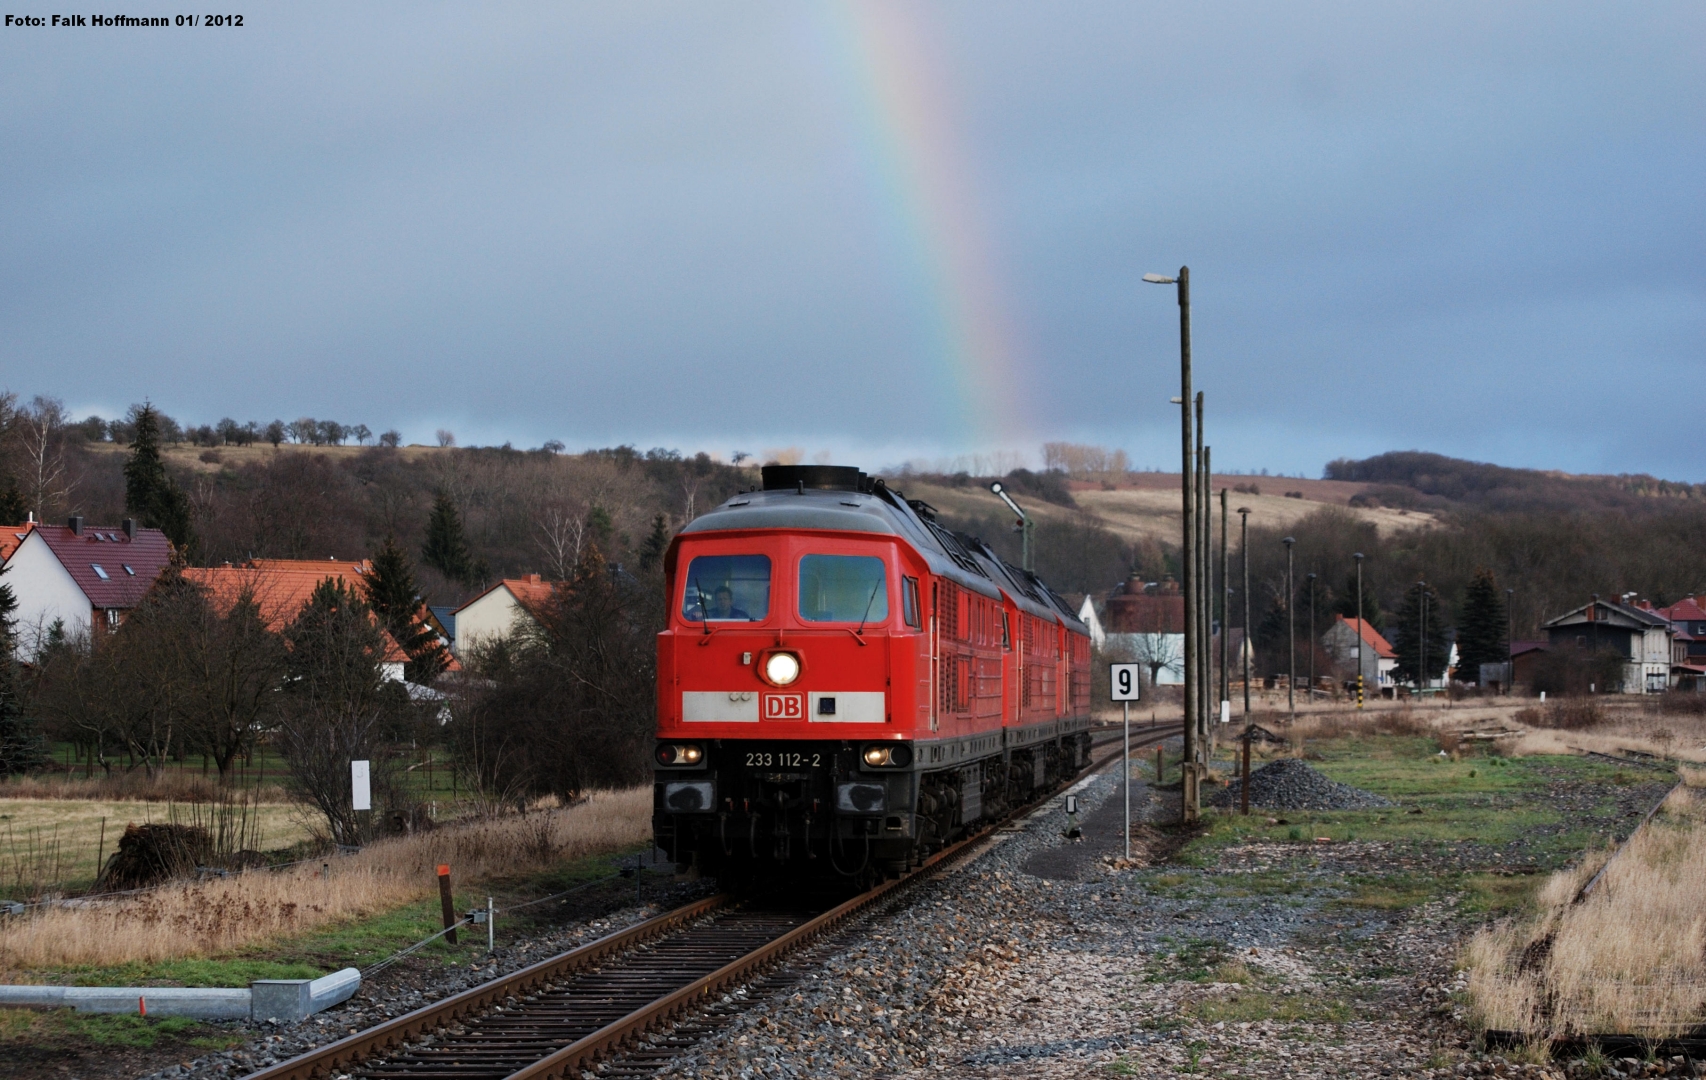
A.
x: 392, y: 1037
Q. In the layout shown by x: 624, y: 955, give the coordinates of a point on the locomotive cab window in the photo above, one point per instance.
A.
x: 727, y: 588
x: 909, y: 603
x: 843, y: 588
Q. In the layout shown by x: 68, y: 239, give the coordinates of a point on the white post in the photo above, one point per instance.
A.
x: 1125, y: 773
x: 490, y: 911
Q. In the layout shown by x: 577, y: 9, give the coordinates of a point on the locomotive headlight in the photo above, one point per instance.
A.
x: 680, y: 754
x: 781, y: 668
x: 887, y: 755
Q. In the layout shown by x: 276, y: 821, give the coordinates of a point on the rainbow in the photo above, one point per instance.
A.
x: 901, y: 117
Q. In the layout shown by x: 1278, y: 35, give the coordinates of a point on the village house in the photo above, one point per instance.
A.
x: 281, y: 588
x: 1637, y: 633
x: 1145, y: 623
x: 1687, y: 619
x: 1373, y: 656
x: 512, y: 605
x: 74, y: 579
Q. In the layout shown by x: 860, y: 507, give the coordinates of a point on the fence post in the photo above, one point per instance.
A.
x: 491, y: 941
x: 445, y: 901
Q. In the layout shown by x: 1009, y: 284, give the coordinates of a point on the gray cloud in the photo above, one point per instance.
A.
x: 1461, y: 228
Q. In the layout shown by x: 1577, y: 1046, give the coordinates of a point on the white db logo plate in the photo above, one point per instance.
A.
x: 782, y: 706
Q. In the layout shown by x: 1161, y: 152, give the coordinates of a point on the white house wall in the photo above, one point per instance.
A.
x: 488, y: 618
x: 1139, y: 648
x: 45, y: 591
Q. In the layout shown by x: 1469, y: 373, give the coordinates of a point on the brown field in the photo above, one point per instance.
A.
x: 198, y: 919
x: 49, y: 844
x: 1629, y: 959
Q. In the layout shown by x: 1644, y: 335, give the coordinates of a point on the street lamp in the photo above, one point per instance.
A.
x: 1359, y: 644
x: 1310, y: 578
x: 1024, y: 527
x: 1510, y: 626
x: 1188, y: 572
x: 1422, y: 644
x: 1290, y: 629
x: 1244, y: 649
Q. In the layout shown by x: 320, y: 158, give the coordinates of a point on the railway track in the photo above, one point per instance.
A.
x: 555, y: 1018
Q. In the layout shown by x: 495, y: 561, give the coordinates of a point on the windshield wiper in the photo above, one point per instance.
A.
x: 704, y: 615
x: 859, y: 634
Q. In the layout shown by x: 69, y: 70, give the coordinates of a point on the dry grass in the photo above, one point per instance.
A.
x: 207, y: 918
x: 171, y: 786
x: 52, y: 843
x: 1630, y: 959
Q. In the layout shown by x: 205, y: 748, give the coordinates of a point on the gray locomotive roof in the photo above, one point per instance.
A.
x: 963, y: 560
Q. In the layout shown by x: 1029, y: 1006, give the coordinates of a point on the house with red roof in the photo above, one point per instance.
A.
x: 512, y: 605
x: 1373, y: 655
x: 1688, y: 642
x: 281, y: 588
x: 81, y: 578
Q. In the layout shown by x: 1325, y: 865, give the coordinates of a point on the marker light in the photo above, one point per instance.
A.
x: 878, y: 755
x: 782, y: 668
x: 680, y: 754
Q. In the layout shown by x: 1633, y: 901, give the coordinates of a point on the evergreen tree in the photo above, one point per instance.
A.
x: 1481, y: 626
x: 1346, y: 602
x: 446, y: 550
x: 20, y: 749
x: 149, y: 493
x: 14, y: 508
x: 657, y: 543
x: 1406, y: 635
x: 391, y: 592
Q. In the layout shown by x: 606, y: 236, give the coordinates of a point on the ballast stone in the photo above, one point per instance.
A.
x: 1290, y: 784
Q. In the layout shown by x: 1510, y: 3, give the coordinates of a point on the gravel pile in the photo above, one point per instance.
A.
x: 1290, y: 784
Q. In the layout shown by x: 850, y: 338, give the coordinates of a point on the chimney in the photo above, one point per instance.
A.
x: 129, y: 526
x: 75, y: 521
x: 534, y: 578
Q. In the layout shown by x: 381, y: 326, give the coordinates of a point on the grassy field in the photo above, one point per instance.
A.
x: 224, y: 917
x: 59, y: 843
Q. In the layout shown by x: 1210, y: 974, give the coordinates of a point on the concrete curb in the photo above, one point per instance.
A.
x: 284, y: 1000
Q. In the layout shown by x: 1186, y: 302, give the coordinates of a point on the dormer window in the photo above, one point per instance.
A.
x: 99, y: 571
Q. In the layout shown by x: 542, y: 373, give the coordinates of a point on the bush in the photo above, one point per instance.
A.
x: 150, y: 854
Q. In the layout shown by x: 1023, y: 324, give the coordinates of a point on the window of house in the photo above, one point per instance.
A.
x: 727, y: 588
x: 112, y: 618
x: 128, y: 570
x: 843, y: 588
x: 99, y: 571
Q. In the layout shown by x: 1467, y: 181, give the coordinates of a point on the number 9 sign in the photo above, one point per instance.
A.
x: 1127, y: 684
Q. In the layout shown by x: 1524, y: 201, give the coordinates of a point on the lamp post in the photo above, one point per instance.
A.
x: 1225, y: 611
x: 1244, y: 649
x: 1024, y: 527
x: 1187, y: 567
x: 1422, y: 643
x: 1290, y: 630
x: 1359, y: 644
x: 1310, y: 578
x: 1510, y: 627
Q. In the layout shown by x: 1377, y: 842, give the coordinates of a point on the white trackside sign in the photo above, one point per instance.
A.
x: 1127, y: 686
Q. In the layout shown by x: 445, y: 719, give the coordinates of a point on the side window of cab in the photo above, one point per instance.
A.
x: 909, y: 609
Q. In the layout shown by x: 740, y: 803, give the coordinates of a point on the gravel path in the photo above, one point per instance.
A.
x: 1040, y: 959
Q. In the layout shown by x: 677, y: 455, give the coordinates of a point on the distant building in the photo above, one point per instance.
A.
x: 1637, y: 633
x: 80, y: 578
x: 512, y: 604
x: 1145, y: 623
x: 1374, y: 656
x: 1688, y: 643
x: 281, y: 588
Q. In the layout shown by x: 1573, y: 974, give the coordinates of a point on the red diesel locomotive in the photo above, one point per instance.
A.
x: 845, y: 685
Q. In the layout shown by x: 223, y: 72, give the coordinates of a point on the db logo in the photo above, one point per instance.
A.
x: 782, y: 706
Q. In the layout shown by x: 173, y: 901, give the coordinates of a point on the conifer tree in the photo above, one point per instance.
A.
x: 20, y: 749
x: 149, y: 493
x: 1481, y: 627
x: 14, y: 508
x: 446, y: 549
x: 657, y: 543
x: 1346, y: 602
x: 394, y: 597
x: 1407, y: 629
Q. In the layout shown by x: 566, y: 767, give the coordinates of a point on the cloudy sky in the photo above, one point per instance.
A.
x: 876, y: 231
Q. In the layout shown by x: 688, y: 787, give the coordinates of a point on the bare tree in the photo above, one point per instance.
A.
x: 41, y: 436
x: 562, y: 533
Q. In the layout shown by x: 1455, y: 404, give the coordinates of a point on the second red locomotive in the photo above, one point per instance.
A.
x: 844, y: 685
